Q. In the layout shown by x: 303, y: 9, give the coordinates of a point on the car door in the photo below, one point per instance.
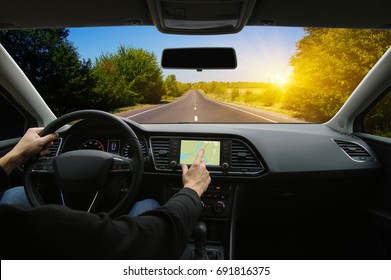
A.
x: 13, y: 124
x: 374, y: 126
x: 21, y: 107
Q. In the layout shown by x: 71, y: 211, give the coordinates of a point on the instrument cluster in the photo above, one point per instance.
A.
x: 114, y: 144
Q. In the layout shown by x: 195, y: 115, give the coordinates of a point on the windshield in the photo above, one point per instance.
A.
x: 283, y: 75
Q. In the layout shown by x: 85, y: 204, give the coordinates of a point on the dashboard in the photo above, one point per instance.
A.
x: 231, y: 150
x: 225, y: 154
x: 275, y: 170
x: 256, y: 156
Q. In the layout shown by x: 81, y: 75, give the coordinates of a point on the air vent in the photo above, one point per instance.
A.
x: 161, y: 151
x: 53, y: 150
x: 354, y: 151
x: 144, y: 149
x: 243, y: 159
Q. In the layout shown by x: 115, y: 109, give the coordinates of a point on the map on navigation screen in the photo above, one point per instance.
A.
x: 190, y: 148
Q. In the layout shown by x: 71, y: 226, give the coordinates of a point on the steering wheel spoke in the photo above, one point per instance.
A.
x: 121, y: 165
x: 88, y: 205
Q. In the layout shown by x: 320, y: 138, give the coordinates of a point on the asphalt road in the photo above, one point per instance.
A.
x: 196, y: 107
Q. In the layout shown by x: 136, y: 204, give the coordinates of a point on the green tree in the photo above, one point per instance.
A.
x: 171, y: 86
x: 183, y: 87
x: 128, y: 77
x: 53, y: 66
x: 328, y: 66
x: 234, y: 94
x: 271, y: 95
x: 112, y: 89
x: 378, y: 119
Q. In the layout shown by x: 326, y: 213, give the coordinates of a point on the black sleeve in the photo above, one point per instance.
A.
x: 55, y: 232
x: 4, y: 179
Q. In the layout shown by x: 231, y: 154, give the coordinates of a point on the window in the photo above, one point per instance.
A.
x: 13, y: 122
x: 378, y: 120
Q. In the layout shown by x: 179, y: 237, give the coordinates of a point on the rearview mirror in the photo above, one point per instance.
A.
x: 199, y: 58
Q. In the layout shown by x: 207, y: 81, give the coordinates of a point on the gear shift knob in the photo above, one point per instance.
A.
x: 200, y: 232
x: 199, y: 235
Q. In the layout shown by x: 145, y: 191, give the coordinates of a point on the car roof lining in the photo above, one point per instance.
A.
x: 299, y: 13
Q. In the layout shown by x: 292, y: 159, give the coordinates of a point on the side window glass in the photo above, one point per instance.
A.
x: 378, y: 120
x: 12, y: 123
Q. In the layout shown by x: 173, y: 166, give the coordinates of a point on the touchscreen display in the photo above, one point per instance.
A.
x: 190, y: 148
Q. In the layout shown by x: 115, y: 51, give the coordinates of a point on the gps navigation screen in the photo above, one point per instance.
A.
x: 190, y: 148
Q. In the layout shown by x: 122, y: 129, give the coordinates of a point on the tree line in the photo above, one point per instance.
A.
x: 328, y: 65
x: 67, y: 83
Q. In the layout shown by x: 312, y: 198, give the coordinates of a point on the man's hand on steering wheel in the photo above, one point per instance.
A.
x: 30, y: 145
x: 81, y: 172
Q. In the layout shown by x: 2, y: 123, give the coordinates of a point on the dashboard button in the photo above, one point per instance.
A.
x: 219, y: 206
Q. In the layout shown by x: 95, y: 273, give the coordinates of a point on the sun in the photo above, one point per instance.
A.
x: 280, y: 80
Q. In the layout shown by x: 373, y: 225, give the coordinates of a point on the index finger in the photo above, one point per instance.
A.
x: 199, y: 156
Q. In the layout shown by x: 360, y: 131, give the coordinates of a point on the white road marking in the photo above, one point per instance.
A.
x: 195, y: 108
x: 131, y: 116
x: 255, y: 115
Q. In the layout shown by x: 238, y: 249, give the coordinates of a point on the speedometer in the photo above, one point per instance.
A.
x: 92, y: 144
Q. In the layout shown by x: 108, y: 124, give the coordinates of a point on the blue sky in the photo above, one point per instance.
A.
x: 263, y: 52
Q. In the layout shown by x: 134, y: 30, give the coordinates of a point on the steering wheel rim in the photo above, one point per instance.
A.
x: 136, y: 166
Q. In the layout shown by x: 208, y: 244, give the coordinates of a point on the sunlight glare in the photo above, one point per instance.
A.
x: 280, y: 79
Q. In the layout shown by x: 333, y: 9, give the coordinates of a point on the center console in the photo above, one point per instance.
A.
x: 223, y: 156
x: 226, y: 159
x: 217, y: 202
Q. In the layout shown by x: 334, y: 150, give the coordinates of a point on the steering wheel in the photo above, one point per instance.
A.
x: 88, y: 173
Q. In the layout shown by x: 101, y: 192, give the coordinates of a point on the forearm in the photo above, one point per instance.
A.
x: 4, y: 180
x: 9, y: 162
x: 60, y: 233
x: 30, y: 145
x: 166, y: 230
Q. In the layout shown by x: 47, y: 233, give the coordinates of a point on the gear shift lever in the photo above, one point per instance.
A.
x: 200, y: 241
